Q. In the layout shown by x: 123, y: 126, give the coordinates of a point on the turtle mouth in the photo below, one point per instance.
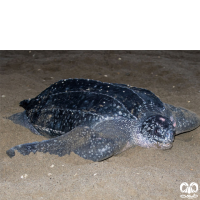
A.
x: 167, y: 142
x: 163, y: 146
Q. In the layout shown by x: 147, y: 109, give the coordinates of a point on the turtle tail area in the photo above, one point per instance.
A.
x: 21, y: 119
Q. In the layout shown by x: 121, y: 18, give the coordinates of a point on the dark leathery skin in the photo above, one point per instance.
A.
x: 132, y: 98
x: 97, y: 120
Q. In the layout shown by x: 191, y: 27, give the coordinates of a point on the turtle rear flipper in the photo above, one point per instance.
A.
x: 21, y: 119
x: 84, y: 141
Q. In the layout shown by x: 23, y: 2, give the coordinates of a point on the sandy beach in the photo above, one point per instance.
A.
x: 138, y: 173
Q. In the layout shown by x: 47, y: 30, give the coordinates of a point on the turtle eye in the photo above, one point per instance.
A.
x: 157, y: 132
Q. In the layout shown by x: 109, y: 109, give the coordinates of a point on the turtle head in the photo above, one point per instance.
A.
x: 157, y: 132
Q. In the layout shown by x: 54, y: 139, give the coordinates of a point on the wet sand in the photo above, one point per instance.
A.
x: 137, y: 173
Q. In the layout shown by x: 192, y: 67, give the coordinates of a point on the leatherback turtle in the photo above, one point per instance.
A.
x: 97, y: 120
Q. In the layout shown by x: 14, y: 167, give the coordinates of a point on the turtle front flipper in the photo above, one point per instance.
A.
x: 183, y: 120
x: 84, y: 141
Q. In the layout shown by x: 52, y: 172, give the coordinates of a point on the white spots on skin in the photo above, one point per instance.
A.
x: 104, y: 149
x: 140, y: 140
x: 104, y: 90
